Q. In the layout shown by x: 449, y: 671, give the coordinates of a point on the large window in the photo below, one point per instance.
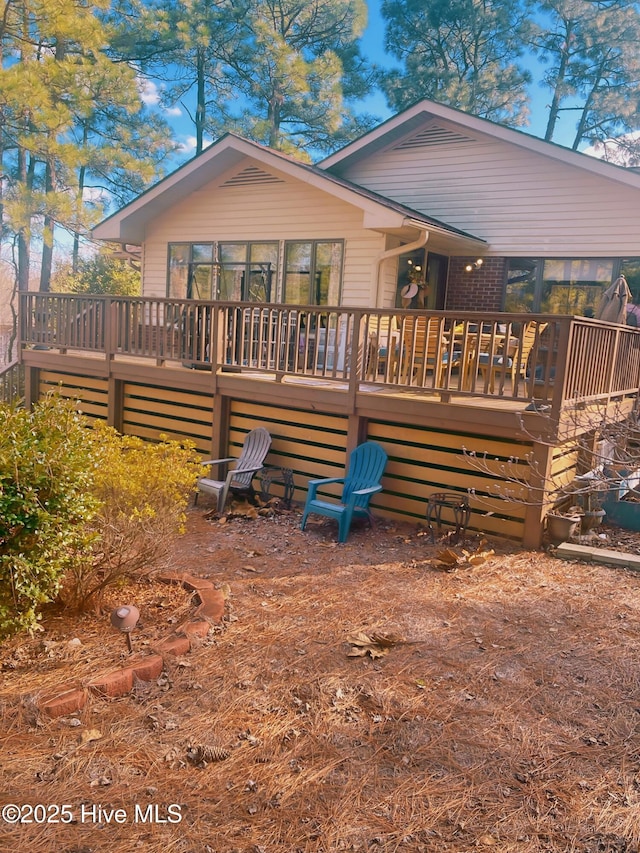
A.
x: 245, y: 271
x: 558, y: 285
x: 313, y: 272
x: 574, y: 286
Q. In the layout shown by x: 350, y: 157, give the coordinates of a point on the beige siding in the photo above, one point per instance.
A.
x: 283, y: 210
x: 519, y: 201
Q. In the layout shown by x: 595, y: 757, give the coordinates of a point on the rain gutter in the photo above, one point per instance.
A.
x: 399, y: 250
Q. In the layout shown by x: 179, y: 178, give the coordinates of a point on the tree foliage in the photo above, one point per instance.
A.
x: 142, y: 491
x: 592, y: 56
x: 278, y: 71
x: 81, y: 507
x: 466, y: 53
x: 73, y: 135
x: 46, y: 503
x: 102, y: 274
x: 297, y: 65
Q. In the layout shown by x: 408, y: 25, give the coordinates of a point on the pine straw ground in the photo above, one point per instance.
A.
x: 506, y: 716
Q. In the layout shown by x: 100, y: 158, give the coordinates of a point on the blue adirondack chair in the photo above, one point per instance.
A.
x: 366, y: 466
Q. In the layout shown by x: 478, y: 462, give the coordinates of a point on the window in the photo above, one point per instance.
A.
x: 248, y: 271
x: 313, y: 272
x: 191, y: 270
x: 574, y: 286
x: 630, y: 268
x: 522, y: 276
x: 558, y: 285
x: 240, y: 271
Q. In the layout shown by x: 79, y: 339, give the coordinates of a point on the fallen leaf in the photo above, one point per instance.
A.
x: 359, y: 639
x: 449, y: 556
x: 90, y: 734
x: 387, y: 641
x: 376, y: 645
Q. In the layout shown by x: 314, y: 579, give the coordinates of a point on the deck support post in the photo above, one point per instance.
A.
x: 220, y: 426
x: 31, y: 386
x: 540, y: 463
x: 356, y: 432
x: 115, y: 403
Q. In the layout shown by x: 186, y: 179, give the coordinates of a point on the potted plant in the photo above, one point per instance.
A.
x: 591, y: 490
x: 561, y: 526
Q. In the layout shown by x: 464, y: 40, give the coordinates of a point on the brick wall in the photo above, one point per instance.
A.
x: 478, y: 290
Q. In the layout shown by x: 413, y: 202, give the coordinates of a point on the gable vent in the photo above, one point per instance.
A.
x: 251, y: 176
x: 432, y: 137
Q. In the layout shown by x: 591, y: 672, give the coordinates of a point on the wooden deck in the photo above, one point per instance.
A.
x: 324, y: 380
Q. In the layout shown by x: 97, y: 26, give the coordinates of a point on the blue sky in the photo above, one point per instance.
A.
x: 373, y: 48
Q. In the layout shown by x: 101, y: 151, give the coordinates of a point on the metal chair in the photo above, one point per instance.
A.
x: 240, y: 477
x: 366, y: 466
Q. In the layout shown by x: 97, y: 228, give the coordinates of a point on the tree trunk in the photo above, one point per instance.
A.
x: 46, y: 265
x: 23, y: 232
x: 201, y: 110
x: 75, y: 256
x: 554, y: 109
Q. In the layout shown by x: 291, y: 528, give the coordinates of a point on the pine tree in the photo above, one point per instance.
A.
x: 54, y: 72
x: 281, y: 72
x: 464, y: 53
x: 593, y: 55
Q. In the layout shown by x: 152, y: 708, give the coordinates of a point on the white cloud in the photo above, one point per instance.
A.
x: 149, y: 92
x: 623, y: 150
x: 96, y: 195
x: 188, y: 146
x: 173, y: 111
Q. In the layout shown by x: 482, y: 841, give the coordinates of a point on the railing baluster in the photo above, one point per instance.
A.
x: 572, y: 358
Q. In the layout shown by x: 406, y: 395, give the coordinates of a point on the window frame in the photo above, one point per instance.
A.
x: 278, y: 275
x: 538, y: 278
x: 313, y: 268
x: 190, y: 267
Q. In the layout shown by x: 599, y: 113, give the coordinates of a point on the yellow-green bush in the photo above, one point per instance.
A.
x: 143, y: 490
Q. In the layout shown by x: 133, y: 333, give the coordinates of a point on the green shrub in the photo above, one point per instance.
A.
x: 81, y: 508
x: 143, y: 490
x: 46, y: 506
x: 103, y: 274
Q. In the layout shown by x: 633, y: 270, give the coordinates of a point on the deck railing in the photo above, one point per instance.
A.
x: 12, y: 383
x: 550, y: 359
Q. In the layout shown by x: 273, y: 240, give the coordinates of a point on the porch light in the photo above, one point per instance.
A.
x: 125, y: 620
x: 473, y: 266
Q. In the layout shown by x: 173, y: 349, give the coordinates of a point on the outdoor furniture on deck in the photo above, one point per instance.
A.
x: 425, y: 348
x: 382, y: 350
x: 516, y: 360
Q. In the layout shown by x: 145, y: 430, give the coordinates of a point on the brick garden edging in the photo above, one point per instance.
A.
x: 67, y: 699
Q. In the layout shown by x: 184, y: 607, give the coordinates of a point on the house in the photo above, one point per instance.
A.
x: 432, y: 185
x: 431, y: 286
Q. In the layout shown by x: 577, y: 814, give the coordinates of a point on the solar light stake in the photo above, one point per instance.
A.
x: 125, y: 619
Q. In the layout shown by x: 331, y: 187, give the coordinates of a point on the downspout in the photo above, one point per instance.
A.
x: 392, y: 253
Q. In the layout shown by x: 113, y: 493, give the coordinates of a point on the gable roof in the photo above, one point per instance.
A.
x: 379, y: 213
x: 401, y: 127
